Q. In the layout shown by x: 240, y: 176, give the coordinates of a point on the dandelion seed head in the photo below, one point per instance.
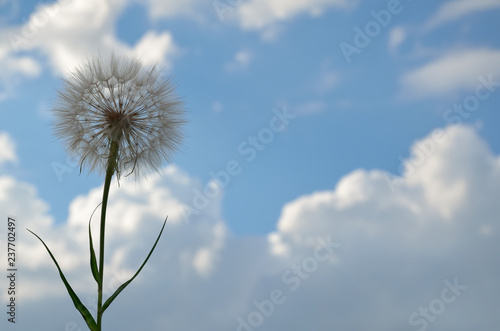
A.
x: 119, y: 100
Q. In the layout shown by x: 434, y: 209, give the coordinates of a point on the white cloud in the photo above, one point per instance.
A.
x: 451, y: 72
x: 271, y: 33
x: 396, y: 37
x: 7, y: 148
x: 310, y: 108
x: 12, y: 68
x: 68, y: 32
x: 328, y: 80
x: 25, y: 65
x: 396, y: 249
x: 458, y: 176
x: 156, y: 48
x: 217, y: 106
x: 261, y: 14
x: 240, y: 62
x: 171, y: 8
x: 456, y: 9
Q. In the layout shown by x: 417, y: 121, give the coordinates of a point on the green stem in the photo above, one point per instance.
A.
x: 113, y: 154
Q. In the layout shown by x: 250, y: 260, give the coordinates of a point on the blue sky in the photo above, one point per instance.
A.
x: 415, y: 91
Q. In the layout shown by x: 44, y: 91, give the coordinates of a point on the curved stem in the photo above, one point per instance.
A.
x: 113, y: 154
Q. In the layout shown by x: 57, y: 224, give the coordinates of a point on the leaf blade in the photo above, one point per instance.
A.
x: 93, y: 259
x: 122, y: 287
x: 89, y: 319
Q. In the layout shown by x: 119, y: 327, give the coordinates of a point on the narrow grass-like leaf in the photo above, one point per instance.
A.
x: 121, y: 288
x: 78, y: 304
x: 93, y: 260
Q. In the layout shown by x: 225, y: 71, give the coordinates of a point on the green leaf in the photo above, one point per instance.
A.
x: 78, y: 304
x: 121, y: 288
x: 93, y: 260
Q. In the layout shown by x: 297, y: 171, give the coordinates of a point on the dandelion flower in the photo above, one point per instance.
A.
x: 115, y: 116
x: 119, y: 101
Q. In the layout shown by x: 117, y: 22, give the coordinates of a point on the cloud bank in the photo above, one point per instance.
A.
x: 367, y: 254
x: 66, y: 32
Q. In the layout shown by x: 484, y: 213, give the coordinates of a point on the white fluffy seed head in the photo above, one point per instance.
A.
x: 120, y: 100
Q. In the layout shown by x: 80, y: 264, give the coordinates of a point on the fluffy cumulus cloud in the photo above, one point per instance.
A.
x: 188, y: 255
x: 376, y: 252
x: 452, y: 72
x: 456, y: 9
x: 402, y: 240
